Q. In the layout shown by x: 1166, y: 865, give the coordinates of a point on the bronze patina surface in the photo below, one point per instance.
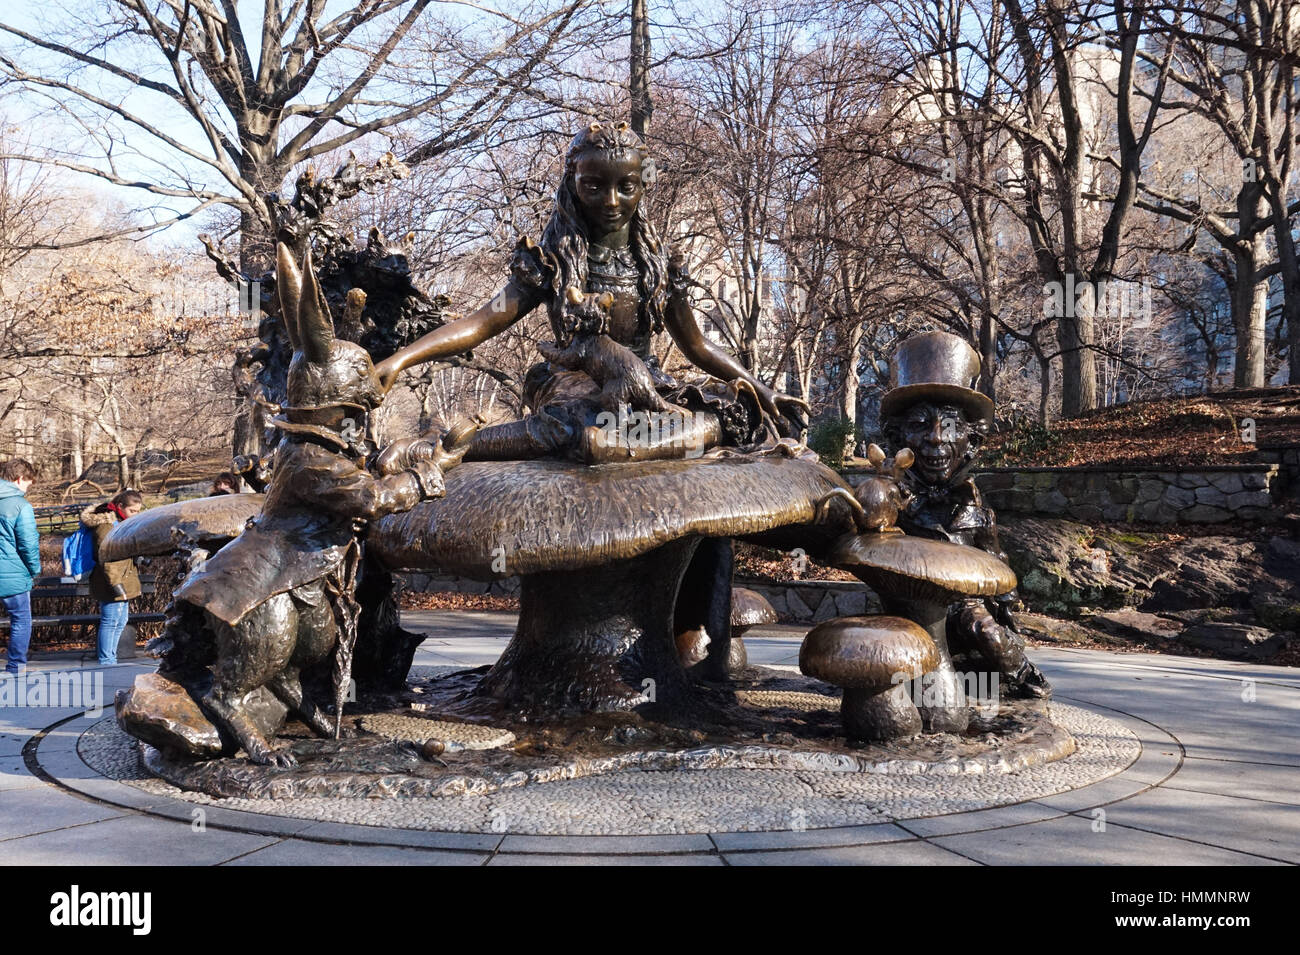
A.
x: 765, y: 722
x: 935, y: 413
x: 280, y: 599
x: 184, y: 525
x: 602, y: 552
x: 548, y: 515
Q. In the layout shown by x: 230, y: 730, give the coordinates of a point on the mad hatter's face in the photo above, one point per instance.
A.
x: 940, y: 437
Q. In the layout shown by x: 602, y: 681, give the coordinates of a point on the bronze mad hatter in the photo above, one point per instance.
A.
x: 933, y: 408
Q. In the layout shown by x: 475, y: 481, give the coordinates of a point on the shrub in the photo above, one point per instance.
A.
x: 828, y: 439
x: 1027, y: 443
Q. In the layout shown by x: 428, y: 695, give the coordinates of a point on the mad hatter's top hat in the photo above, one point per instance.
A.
x: 939, y: 367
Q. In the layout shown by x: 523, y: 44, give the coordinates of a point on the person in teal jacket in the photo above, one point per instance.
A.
x: 20, y: 557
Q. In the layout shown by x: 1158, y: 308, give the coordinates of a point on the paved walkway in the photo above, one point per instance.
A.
x: 1218, y: 782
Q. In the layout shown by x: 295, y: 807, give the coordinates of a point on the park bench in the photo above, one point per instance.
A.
x: 49, y: 588
x: 58, y: 518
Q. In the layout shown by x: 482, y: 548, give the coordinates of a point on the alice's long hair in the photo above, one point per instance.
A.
x: 565, y: 238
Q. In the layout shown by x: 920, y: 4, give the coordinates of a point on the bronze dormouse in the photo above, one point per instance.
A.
x: 280, y: 598
x: 933, y: 409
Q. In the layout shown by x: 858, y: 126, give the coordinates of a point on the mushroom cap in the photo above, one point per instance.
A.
x: 749, y: 608
x: 166, y: 529
x: 867, y: 652
x: 550, y: 515
x: 918, y: 568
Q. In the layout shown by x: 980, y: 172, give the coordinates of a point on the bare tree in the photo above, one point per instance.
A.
x: 306, y: 84
x: 1225, y: 75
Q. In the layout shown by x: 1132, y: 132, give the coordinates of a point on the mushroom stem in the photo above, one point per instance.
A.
x: 737, y: 655
x: 595, y: 639
x: 870, y: 714
x: 942, y: 699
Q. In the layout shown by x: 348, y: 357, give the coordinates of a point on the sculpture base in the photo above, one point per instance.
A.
x: 771, y: 720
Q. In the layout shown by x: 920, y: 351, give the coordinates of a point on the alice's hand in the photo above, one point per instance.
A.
x: 785, y: 408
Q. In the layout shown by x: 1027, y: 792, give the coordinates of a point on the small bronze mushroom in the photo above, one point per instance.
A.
x: 874, y: 659
x: 748, y: 609
x: 918, y: 578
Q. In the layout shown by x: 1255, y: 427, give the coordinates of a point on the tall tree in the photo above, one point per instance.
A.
x: 257, y: 95
x: 1230, y: 72
x: 1058, y: 48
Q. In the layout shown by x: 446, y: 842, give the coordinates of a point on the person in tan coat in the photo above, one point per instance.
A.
x: 117, y: 583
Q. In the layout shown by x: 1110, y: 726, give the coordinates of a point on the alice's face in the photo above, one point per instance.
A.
x: 608, y: 189
x: 133, y: 510
x: 940, y: 437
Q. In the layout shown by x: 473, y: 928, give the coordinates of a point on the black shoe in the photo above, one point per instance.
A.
x: 1029, y: 684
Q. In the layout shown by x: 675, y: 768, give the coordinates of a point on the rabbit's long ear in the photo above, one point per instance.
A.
x: 288, y: 287
x: 314, y: 322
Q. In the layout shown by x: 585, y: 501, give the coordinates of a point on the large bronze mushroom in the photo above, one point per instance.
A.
x: 918, y: 578
x: 205, y: 522
x: 601, y: 552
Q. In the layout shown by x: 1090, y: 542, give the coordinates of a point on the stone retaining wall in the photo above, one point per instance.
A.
x: 450, y: 584
x: 812, y: 601
x: 1153, y: 495
x: 799, y: 601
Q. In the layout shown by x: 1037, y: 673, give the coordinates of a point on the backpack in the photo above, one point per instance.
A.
x: 79, y: 553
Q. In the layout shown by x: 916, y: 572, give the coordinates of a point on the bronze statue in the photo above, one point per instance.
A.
x: 281, y: 597
x: 609, y: 285
x: 933, y: 410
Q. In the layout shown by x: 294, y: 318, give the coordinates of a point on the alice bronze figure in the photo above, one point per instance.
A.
x: 609, y: 285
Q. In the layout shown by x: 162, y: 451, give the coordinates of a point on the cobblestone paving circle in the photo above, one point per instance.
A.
x: 677, y: 802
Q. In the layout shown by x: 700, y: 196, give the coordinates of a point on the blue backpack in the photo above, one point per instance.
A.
x: 79, y: 554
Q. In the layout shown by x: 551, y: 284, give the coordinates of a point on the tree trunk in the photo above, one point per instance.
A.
x: 1044, y: 388
x: 639, y: 72
x: 1249, y: 316
x: 849, y: 385
x: 1075, y: 335
x: 988, y: 348
x: 1290, y: 268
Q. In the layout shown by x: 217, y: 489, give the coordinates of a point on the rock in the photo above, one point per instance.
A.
x: 1249, y: 499
x: 1205, y: 514
x: 1065, y: 566
x: 1211, y: 495
x: 1086, y: 512
x: 1053, y: 630
x: 1117, y: 512
x: 1277, y: 613
x: 1229, y: 483
x: 1136, y: 625
x: 1179, y: 497
x: 1284, y: 548
x: 1235, y: 641
x: 826, y: 610
x: 851, y: 604
x: 1149, y: 492
x: 795, y: 605
x: 187, y: 491
x: 777, y: 599
x: 1050, y: 502
x: 1255, y: 480
x: 164, y: 715
x: 1124, y: 491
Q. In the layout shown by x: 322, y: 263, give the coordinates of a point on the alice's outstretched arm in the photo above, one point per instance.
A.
x: 680, y: 320
x: 505, y: 308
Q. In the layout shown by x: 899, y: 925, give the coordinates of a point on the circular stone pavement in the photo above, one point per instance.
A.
x: 675, y: 802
